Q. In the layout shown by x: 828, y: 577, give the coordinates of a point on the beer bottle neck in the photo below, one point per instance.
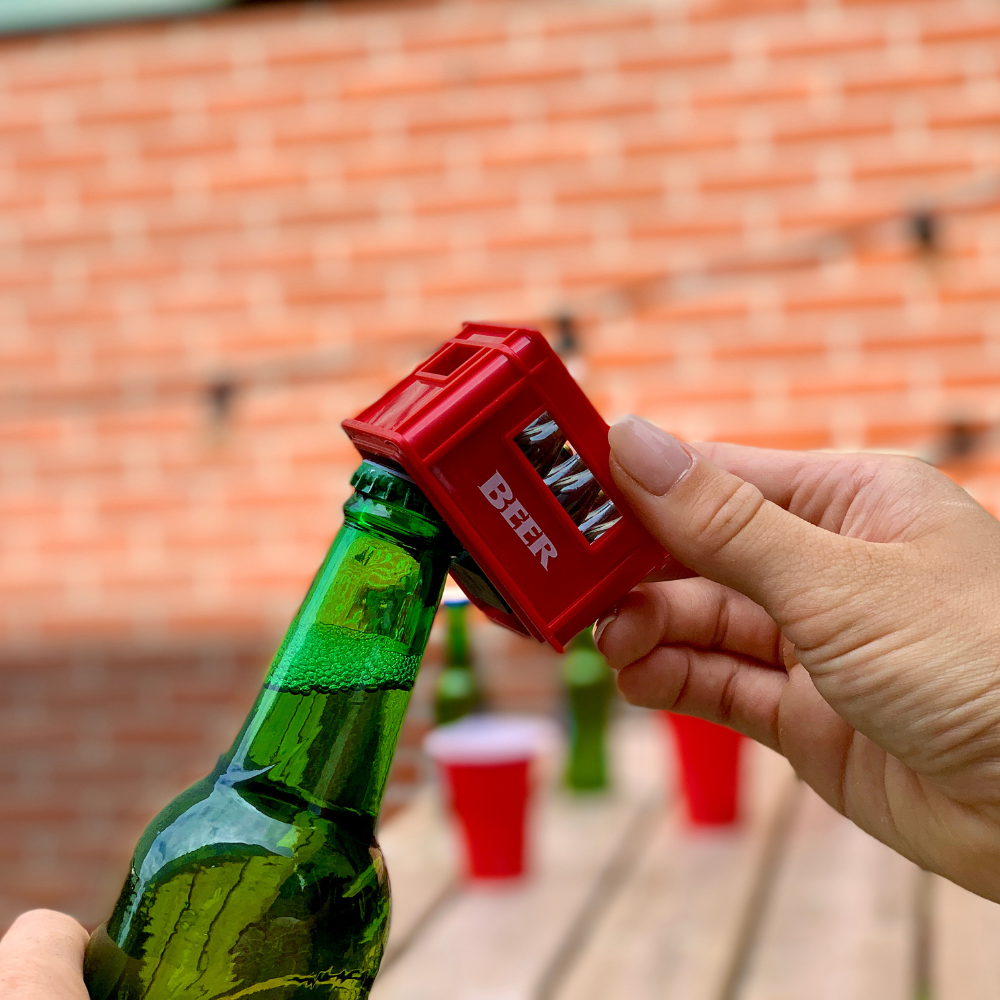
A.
x: 457, y: 641
x: 583, y: 640
x: 324, y: 728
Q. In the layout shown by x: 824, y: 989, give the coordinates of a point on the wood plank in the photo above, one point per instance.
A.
x: 420, y: 858
x: 500, y: 942
x: 675, y: 930
x: 638, y: 756
x: 965, y: 944
x: 842, y: 917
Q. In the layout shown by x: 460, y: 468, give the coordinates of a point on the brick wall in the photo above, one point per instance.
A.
x: 220, y: 236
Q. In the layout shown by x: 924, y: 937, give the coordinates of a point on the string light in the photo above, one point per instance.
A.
x: 567, y: 338
x: 221, y: 396
x: 925, y: 231
x: 922, y: 226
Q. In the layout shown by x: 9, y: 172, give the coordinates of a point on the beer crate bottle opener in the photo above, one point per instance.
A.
x: 499, y: 437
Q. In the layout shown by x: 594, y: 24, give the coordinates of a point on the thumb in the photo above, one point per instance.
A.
x: 723, y: 527
x: 41, y: 958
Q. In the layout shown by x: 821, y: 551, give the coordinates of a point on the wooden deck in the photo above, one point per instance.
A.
x: 625, y: 902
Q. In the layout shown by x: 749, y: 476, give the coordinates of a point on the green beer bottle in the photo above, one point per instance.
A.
x: 589, y: 686
x: 457, y: 687
x: 264, y: 879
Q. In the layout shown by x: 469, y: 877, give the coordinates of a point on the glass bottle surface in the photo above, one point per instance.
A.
x: 265, y: 879
x: 544, y: 444
x: 589, y: 686
x: 458, y: 691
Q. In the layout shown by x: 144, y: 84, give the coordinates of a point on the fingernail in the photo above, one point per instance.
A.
x: 655, y: 459
x: 602, y: 623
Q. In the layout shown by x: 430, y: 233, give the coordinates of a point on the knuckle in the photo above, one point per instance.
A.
x: 728, y: 697
x: 722, y: 519
x: 905, y: 470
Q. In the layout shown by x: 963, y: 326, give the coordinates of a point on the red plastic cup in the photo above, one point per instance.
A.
x: 491, y: 804
x: 485, y: 763
x: 709, y: 758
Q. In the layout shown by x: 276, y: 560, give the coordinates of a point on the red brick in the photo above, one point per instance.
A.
x: 463, y: 167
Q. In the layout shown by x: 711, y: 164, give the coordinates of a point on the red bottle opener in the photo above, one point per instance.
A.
x: 501, y: 439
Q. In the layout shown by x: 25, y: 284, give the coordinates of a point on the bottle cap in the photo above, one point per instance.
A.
x: 381, y: 482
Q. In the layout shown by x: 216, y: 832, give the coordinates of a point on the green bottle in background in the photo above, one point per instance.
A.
x: 458, y: 690
x: 264, y: 879
x: 589, y: 686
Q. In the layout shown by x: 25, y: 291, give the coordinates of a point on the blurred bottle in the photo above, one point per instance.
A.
x: 264, y: 879
x: 458, y: 691
x: 589, y: 686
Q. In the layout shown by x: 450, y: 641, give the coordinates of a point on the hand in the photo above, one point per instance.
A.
x: 41, y: 958
x: 846, y: 614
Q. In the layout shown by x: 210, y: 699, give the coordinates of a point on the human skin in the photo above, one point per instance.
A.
x: 845, y: 612
x: 41, y: 958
